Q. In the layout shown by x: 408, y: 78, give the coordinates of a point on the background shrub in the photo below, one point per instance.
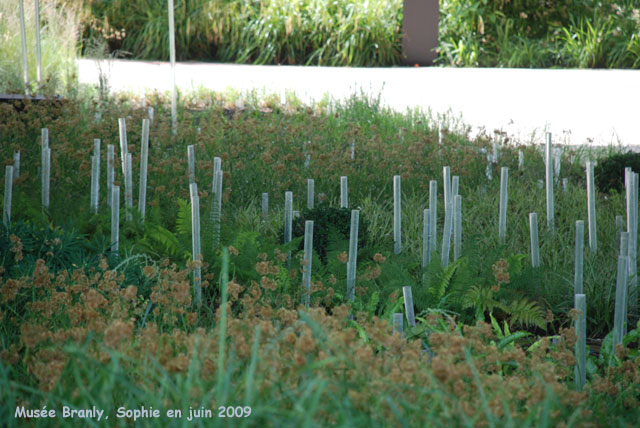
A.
x: 609, y: 173
x: 330, y: 224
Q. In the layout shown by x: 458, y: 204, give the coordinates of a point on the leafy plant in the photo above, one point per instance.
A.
x: 609, y: 172
x: 330, y: 224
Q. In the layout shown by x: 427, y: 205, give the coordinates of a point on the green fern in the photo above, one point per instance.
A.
x: 438, y: 290
x: 373, y: 303
x: 162, y: 241
x: 522, y: 312
x: 183, y: 219
x: 526, y: 312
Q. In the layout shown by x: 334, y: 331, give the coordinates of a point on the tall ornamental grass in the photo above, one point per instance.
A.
x: 59, y: 30
x: 319, y: 32
x: 531, y: 33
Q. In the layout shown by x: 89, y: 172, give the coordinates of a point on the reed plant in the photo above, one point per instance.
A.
x: 60, y: 27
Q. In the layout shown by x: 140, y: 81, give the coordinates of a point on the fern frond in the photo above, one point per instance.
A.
x: 168, y: 242
x: 479, y: 296
x: 526, y: 312
x: 183, y: 219
x: 438, y: 291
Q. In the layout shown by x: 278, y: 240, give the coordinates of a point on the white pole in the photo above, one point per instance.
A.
x: 16, y: 164
x: 633, y: 257
x: 353, y: 255
x: 217, y: 166
x: 111, y: 172
x: 124, y: 148
x: 489, y: 169
x: 306, y: 271
x: 580, y: 304
x: 591, y: 202
x: 144, y: 164
x: 307, y: 156
x: 549, y: 181
x: 433, y: 207
x: 216, y: 212
x: 496, y: 154
x: 457, y: 227
x: 23, y: 36
x: 408, y: 306
x: 520, y: 159
x: 8, y: 194
x: 557, y: 162
x: 38, y: 52
x: 128, y: 182
x: 624, y: 244
x: 344, y: 193
x: 446, y: 237
x: 619, y: 224
x: 195, y: 244
x: 455, y: 186
x: 44, y: 145
x: 426, y: 244
x: 620, y: 313
x: 115, y: 217
x: 288, y: 220
x: 398, y: 321
x: 47, y: 177
x: 446, y: 173
x: 288, y: 216
x: 265, y: 206
x: 172, y: 57
x: 632, y: 227
x: 502, y: 221
x: 96, y: 155
x: 397, y: 215
x: 579, y: 258
x: 191, y: 163
x: 533, y: 232
x: 310, y: 193
x: 96, y: 147
x: 95, y: 182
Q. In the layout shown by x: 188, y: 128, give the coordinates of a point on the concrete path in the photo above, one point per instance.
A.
x: 577, y: 106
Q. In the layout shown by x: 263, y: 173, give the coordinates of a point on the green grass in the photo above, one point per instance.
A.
x: 523, y: 33
x: 303, y: 32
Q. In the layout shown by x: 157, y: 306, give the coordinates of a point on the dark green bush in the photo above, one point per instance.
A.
x: 330, y: 224
x: 609, y: 173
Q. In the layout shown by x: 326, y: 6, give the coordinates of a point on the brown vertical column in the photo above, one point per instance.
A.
x: 420, y: 31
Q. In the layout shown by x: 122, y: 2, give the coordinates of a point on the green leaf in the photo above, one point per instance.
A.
x: 508, y: 340
x: 496, y: 326
x: 183, y: 220
x: 361, y: 331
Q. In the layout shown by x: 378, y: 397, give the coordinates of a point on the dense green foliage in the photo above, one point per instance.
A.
x: 330, y: 224
x: 609, y: 172
x: 322, y: 32
x: 83, y: 325
x: 477, y: 33
x: 495, y: 33
x: 540, y: 34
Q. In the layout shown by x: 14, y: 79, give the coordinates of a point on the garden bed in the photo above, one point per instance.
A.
x: 494, y: 342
